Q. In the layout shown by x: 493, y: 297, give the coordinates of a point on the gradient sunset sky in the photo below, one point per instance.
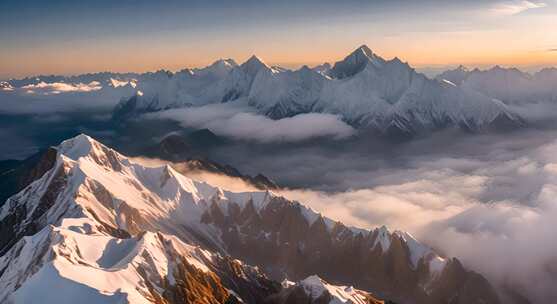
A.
x: 69, y: 37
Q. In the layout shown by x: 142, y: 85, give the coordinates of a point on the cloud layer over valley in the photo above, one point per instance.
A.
x: 239, y: 122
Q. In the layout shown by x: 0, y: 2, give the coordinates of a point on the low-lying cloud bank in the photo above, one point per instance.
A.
x: 60, y: 87
x: 238, y: 122
x: 61, y: 97
x: 496, y: 213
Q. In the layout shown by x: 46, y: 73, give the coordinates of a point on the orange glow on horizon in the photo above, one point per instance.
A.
x: 81, y: 60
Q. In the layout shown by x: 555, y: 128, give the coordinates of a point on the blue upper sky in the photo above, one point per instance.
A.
x: 78, y: 36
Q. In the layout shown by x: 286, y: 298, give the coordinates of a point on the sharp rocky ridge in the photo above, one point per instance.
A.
x: 103, y: 228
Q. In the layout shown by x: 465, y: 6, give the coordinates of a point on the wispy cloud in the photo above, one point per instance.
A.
x: 515, y: 7
x: 231, y: 121
x: 552, y: 50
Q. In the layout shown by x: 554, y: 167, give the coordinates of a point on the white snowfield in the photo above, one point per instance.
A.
x: 75, y: 257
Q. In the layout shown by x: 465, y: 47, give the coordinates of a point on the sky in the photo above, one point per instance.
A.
x: 71, y: 37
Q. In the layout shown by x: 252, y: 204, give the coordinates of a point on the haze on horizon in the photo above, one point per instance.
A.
x: 67, y: 37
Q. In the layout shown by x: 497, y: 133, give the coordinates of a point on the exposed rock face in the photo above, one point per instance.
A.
x: 280, y: 238
x: 472, y: 287
x: 23, y: 220
x: 20, y: 174
x: 228, y: 281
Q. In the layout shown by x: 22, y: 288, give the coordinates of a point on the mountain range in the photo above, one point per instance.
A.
x: 100, y: 227
x: 509, y: 85
x: 364, y: 90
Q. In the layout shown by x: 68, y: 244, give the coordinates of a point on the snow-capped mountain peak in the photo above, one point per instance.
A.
x: 97, y: 212
x: 253, y: 65
x: 219, y: 68
x: 365, y: 90
x: 355, y: 63
x: 78, y: 146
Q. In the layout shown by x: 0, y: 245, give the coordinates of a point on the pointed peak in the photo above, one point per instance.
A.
x: 355, y: 62
x: 77, y: 140
x: 360, y: 54
x: 498, y: 68
x: 77, y: 146
x: 83, y: 145
x: 253, y: 65
x: 364, y: 49
x: 254, y: 60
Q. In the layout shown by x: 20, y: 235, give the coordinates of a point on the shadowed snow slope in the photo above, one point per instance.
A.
x: 103, y: 228
x: 509, y: 85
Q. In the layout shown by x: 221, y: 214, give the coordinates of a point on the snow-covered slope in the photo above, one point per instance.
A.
x: 509, y: 85
x: 106, y: 229
x: 92, y: 226
x: 86, y: 263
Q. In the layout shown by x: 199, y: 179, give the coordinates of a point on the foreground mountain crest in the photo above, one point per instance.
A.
x: 106, y: 229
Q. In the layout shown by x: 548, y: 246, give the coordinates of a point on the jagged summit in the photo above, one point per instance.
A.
x: 368, y: 92
x: 254, y: 59
x: 253, y: 65
x: 227, y: 62
x: 363, y: 49
x: 78, y: 146
x: 455, y: 76
x: 355, y: 62
x: 220, y: 67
